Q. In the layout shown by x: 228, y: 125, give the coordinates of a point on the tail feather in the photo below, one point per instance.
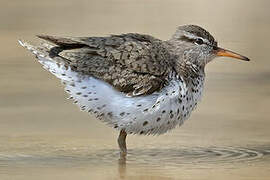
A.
x: 38, y: 51
x: 54, y: 64
x: 65, y: 42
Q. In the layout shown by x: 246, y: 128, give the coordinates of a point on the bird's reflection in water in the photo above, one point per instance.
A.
x: 122, y: 167
x: 125, y: 172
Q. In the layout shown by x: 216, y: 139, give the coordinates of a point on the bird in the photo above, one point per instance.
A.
x: 135, y: 83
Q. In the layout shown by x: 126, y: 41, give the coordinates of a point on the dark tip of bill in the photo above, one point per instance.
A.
x: 246, y: 59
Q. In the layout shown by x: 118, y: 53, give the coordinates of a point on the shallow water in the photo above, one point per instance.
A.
x: 44, y: 136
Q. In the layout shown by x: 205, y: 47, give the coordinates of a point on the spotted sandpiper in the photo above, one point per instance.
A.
x: 135, y: 83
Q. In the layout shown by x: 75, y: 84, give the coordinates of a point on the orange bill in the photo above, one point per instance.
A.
x: 227, y: 53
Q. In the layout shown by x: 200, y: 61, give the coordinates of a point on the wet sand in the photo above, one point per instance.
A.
x: 44, y: 136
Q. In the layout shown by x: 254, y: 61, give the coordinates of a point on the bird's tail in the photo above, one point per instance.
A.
x: 54, y: 64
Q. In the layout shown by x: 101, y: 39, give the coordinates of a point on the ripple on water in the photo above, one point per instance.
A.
x: 152, y: 156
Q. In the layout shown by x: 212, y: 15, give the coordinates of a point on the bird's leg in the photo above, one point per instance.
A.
x: 122, y: 143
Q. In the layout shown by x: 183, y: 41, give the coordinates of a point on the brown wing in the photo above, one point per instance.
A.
x: 132, y: 63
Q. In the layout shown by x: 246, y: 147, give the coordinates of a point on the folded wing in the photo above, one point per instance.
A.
x: 132, y: 63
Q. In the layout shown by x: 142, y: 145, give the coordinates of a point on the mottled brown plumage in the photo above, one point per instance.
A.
x: 133, y: 63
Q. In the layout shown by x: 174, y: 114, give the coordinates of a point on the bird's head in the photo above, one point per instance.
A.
x: 198, y: 46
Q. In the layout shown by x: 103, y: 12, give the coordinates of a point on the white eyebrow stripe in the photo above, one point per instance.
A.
x: 192, y: 36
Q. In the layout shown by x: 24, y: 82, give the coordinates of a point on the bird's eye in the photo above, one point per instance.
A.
x: 199, y: 41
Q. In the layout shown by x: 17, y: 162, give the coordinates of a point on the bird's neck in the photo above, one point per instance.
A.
x: 189, y: 71
x: 184, y: 63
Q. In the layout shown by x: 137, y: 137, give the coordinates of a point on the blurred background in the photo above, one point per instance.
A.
x: 43, y: 135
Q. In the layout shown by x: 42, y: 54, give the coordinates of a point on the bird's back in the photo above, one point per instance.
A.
x: 132, y: 63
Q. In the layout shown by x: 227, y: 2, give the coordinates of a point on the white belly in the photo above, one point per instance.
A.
x: 152, y: 114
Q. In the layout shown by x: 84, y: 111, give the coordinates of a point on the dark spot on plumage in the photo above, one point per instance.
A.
x: 163, y: 111
x: 115, y: 126
x: 178, y: 111
x: 85, y: 95
x: 89, y: 92
x: 171, y: 114
x: 139, y: 105
x: 122, y: 113
x: 101, y: 115
x: 145, y: 110
x: 110, y: 114
x: 78, y: 93
x: 141, y: 132
x: 158, y: 119
x: 84, y: 87
x: 96, y: 99
x: 145, y: 123
x: 90, y: 99
x: 90, y: 110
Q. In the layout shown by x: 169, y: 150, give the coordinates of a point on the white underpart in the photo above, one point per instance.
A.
x: 152, y: 114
